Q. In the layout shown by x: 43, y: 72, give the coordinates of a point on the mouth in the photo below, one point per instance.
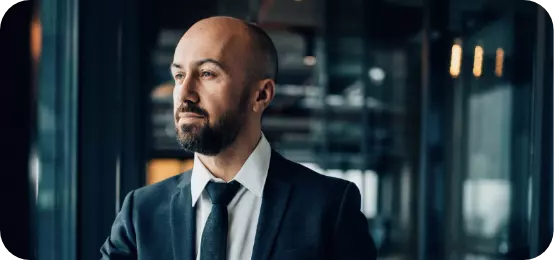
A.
x: 188, y: 116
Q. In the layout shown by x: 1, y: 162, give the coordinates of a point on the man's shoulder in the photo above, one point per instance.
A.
x: 162, y: 190
x: 313, y: 190
x: 310, y: 180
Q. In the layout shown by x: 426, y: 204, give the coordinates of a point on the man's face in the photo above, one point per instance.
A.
x: 210, y: 97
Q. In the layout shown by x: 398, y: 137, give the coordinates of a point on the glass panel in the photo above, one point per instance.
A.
x: 487, y: 188
x: 495, y: 84
x: 55, y: 151
x: 347, y: 101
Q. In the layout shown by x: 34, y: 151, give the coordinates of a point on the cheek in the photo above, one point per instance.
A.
x: 214, y: 101
x: 176, y: 92
x: 175, y: 108
x: 220, y: 97
x: 176, y: 99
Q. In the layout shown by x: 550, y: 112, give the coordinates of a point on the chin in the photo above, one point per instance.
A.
x: 189, y: 129
x: 187, y: 136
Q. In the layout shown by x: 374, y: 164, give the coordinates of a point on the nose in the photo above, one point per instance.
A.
x: 186, y: 91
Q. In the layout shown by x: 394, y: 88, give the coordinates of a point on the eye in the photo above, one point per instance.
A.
x: 179, y: 76
x: 207, y: 74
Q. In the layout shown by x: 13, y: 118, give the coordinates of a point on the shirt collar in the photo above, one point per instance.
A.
x: 252, y: 175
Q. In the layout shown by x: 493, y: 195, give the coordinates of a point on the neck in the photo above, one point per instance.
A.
x: 228, y: 162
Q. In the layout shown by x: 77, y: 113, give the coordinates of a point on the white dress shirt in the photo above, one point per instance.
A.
x: 244, y: 209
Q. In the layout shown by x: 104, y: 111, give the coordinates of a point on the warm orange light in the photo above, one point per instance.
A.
x: 478, y: 62
x: 456, y: 60
x: 36, y: 38
x: 161, y: 169
x: 499, y: 62
x: 309, y: 60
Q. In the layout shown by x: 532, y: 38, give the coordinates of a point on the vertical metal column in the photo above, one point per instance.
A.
x: 546, y: 225
x: 136, y: 39
x: 424, y: 131
x: 323, y: 114
x: 366, y: 31
x: 114, y: 66
x: 57, y: 132
x: 322, y: 45
x: 456, y: 173
x: 100, y: 121
x: 435, y: 94
x: 538, y: 175
x: 524, y: 28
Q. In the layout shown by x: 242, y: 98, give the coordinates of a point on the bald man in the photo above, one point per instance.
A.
x: 242, y: 200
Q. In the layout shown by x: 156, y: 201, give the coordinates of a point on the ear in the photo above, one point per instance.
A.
x: 264, y: 95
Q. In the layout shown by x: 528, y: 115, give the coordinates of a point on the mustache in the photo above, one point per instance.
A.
x: 190, y: 107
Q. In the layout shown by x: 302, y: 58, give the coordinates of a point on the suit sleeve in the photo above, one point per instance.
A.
x: 352, y: 239
x: 121, y: 245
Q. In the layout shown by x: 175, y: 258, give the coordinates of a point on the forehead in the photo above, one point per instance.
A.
x: 221, y: 44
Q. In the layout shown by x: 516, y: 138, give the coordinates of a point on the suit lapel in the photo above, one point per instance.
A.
x: 183, y: 222
x: 274, y: 203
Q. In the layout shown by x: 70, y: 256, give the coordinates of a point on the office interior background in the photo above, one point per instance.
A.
x: 440, y: 111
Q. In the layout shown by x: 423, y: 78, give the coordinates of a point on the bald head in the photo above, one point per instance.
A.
x: 264, y: 51
x: 247, y: 40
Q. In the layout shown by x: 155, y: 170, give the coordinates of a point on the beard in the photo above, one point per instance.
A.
x: 210, y: 139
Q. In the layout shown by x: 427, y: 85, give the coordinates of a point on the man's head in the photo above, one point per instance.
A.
x: 224, y: 71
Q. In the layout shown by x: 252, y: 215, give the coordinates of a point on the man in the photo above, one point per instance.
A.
x: 242, y: 200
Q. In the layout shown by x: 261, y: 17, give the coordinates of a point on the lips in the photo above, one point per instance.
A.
x: 189, y: 115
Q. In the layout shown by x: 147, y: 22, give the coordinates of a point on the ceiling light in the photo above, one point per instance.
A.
x: 309, y: 60
x: 377, y: 74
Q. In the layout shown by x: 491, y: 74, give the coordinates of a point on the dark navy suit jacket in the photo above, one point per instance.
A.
x: 304, y: 215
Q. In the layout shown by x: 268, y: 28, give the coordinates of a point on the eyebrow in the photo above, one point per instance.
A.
x: 200, y: 63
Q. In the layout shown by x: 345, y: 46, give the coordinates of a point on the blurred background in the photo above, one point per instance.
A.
x: 440, y: 111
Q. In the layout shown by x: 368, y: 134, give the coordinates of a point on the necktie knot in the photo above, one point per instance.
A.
x: 222, y: 193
